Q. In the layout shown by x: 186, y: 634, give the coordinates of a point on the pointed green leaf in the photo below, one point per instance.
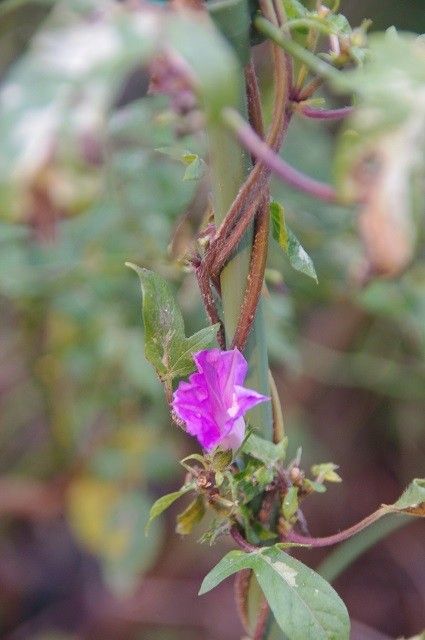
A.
x: 264, y: 450
x: 299, y: 258
x: 195, y: 169
x: 164, y: 502
x: 166, y: 346
x: 195, y: 166
x: 287, y: 240
x: 279, y: 231
x: 290, y: 503
x: 326, y: 471
x: 233, y: 562
x: 305, y: 606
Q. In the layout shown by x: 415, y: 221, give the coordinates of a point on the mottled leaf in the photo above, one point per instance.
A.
x: 304, y: 605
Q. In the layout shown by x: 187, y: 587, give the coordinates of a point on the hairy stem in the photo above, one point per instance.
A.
x: 240, y: 540
x: 260, y: 632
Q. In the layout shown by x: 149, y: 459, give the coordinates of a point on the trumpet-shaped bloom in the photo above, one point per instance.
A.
x: 213, y: 402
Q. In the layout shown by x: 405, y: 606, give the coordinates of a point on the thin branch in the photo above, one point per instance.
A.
x: 310, y: 88
x: 209, y: 303
x: 241, y: 589
x: 324, y: 114
x: 249, y: 139
x: 278, y: 423
x: 261, y: 627
x: 255, y: 278
x: 240, y: 540
x: 315, y: 64
x: 337, y: 537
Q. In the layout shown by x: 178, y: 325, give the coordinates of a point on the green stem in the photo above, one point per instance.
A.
x: 229, y: 167
x: 315, y: 64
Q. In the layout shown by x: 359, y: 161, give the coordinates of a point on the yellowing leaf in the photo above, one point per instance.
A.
x: 190, y: 516
x: 109, y: 521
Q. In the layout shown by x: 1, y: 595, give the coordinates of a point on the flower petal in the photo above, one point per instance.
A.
x: 246, y: 399
x: 213, y: 401
x: 235, y: 437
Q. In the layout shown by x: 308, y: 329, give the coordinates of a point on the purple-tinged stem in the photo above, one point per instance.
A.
x: 325, y: 114
x: 262, y: 622
x: 337, y: 537
x: 257, y: 147
x: 240, y: 540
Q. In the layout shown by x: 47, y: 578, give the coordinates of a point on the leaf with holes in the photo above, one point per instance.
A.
x: 304, y: 605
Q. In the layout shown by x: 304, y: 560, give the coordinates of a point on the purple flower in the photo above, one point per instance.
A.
x: 213, y: 402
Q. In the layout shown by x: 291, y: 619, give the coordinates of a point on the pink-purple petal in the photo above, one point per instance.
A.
x: 212, y: 403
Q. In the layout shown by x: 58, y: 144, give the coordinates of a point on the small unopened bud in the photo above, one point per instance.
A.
x: 297, y: 476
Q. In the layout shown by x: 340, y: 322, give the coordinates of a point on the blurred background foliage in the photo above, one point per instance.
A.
x: 86, y: 441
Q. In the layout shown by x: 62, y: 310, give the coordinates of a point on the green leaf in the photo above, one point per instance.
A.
x: 326, y: 471
x: 195, y: 169
x: 195, y: 166
x: 304, y: 605
x: 295, y: 9
x: 190, y: 516
x: 318, y: 487
x: 264, y: 450
x: 165, y: 502
x: 287, y: 240
x: 166, y: 345
x: 299, y: 258
x: 412, y: 501
x: 279, y: 231
x: 290, y: 503
x: 221, y: 460
x: 232, y: 562
x: 194, y: 456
